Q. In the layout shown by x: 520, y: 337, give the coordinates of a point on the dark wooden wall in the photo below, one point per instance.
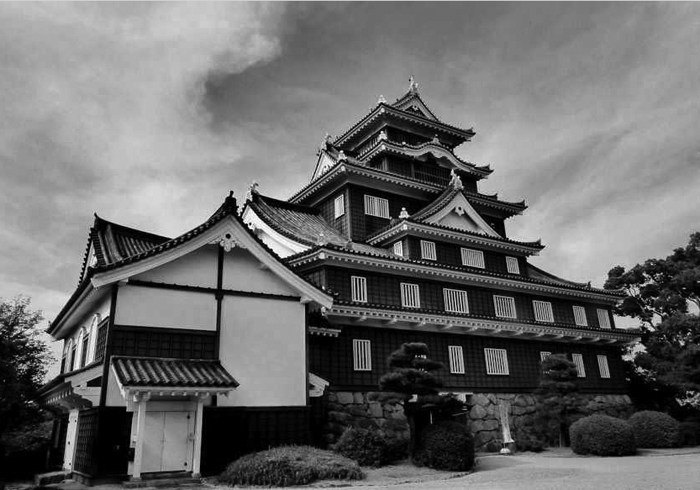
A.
x: 332, y: 359
x: 163, y: 342
x: 230, y: 432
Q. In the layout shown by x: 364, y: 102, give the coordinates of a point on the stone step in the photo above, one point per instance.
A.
x: 44, y: 479
x: 162, y: 482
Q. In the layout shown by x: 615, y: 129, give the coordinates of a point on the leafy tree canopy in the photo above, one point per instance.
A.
x: 411, y: 372
x: 664, y: 294
x: 24, y: 358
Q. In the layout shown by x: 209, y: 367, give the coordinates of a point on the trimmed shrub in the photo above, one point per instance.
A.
x: 655, y: 429
x: 396, y: 450
x: 290, y: 465
x: 602, y: 435
x: 366, y: 447
x: 446, y: 446
x: 690, y: 433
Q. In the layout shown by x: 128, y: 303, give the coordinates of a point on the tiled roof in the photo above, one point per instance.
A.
x: 113, y: 242
x: 544, y: 276
x: 304, y: 225
x: 171, y: 373
x: 449, y: 193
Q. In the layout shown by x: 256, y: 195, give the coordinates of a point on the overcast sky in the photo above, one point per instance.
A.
x: 149, y: 113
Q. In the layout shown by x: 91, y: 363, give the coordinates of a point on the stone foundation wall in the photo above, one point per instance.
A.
x: 354, y: 409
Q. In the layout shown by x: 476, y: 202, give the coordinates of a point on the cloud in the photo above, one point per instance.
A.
x: 103, y: 110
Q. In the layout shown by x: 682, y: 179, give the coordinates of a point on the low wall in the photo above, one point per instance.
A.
x: 354, y: 409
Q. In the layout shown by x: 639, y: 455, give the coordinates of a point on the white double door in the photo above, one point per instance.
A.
x: 168, y: 441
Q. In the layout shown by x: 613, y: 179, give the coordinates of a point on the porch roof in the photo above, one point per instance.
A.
x: 137, y: 372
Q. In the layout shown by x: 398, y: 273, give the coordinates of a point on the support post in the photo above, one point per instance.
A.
x: 141, y: 400
x: 198, y: 421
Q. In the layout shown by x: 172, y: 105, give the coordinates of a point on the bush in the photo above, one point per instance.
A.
x: 446, y: 446
x: 396, y: 450
x: 655, y: 429
x: 690, y: 433
x: 602, y: 435
x: 290, y: 465
x: 366, y: 447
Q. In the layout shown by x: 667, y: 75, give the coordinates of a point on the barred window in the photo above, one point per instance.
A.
x: 580, y: 316
x: 339, y: 206
x: 505, y: 306
x: 427, y: 250
x: 398, y: 248
x: 473, y: 258
x: 603, y: 366
x: 543, y: 311
x: 580, y: 368
x: 512, y: 265
x: 456, y: 300
x: 359, y: 289
x: 361, y: 355
x: 376, y: 206
x: 544, y: 355
x: 496, y: 361
x: 410, y: 295
x: 456, y: 359
x: 603, y: 318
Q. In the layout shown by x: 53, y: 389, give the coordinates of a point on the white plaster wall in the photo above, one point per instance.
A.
x: 263, y: 346
x: 242, y: 272
x: 71, y: 438
x: 151, y: 307
x: 197, y: 268
x: 463, y: 222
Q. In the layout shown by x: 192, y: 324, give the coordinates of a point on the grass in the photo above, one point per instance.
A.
x: 290, y: 465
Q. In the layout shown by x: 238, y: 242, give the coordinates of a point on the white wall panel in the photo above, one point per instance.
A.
x: 263, y: 346
x: 242, y: 272
x: 151, y: 307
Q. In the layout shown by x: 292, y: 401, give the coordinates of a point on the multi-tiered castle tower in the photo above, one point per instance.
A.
x: 393, y: 224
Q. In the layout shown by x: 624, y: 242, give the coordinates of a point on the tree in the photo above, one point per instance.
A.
x: 664, y: 294
x: 557, y: 398
x: 23, y: 361
x: 411, y: 373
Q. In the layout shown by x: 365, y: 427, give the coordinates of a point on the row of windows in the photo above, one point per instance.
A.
x: 457, y: 301
x: 80, y: 351
x: 496, y: 360
x: 470, y: 257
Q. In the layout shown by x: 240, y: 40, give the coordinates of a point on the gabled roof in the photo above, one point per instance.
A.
x: 541, y: 275
x: 224, y: 227
x: 411, y: 101
x: 112, y: 242
x: 450, y: 193
x: 171, y: 373
x: 303, y: 224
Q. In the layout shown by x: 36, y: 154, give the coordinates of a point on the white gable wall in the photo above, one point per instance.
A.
x: 263, y: 346
x: 453, y: 220
x: 243, y: 272
x: 197, y: 268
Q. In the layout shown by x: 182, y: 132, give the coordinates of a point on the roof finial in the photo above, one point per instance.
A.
x: 342, y: 157
x: 412, y: 85
x: 252, y: 190
x: 381, y: 100
x: 383, y: 136
x: 327, y: 139
x: 455, y: 180
x: 321, y: 240
x: 403, y: 214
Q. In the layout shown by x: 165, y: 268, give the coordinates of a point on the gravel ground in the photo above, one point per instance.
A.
x: 562, y: 470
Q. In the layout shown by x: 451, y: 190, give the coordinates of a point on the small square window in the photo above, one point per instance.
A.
x: 580, y: 368
x: 603, y: 366
x: 427, y: 250
x: 496, y: 361
x: 362, y: 355
x: 543, y: 311
x: 512, y: 265
x: 339, y: 206
x: 398, y: 248
x: 376, y: 206
x: 473, y: 258
x: 504, y: 306
x: 455, y: 300
x: 359, y: 289
x: 456, y: 359
x: 580, y: 316
x: 544, y: 355
x: 603, y: 318
x: 410, y: 295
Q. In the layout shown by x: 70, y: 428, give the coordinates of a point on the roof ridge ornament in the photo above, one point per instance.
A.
x: 327, y: 142
x: 381, y: 100
x: 321, y: 240
x: 403, y: 214
x: 252, y: 191
x: 383, y: 136
x: 412, y: 85
x: 436, y: 140
x: 342, y: 157
x: 456, y: 181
